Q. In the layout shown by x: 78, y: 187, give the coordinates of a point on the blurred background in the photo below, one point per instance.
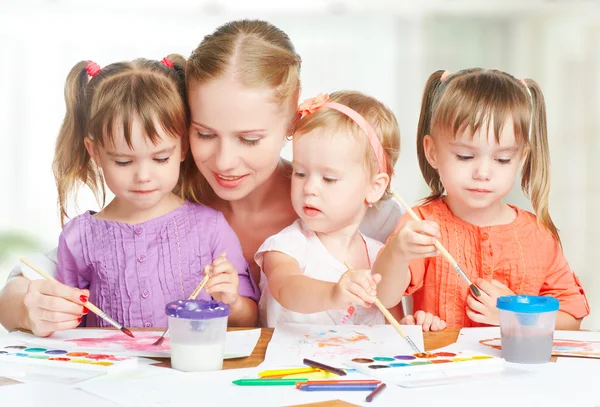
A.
x: 386, y: 48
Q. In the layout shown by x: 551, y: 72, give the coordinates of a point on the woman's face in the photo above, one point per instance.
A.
x: 236, y: 135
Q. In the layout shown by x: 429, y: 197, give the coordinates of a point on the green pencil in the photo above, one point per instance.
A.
x: 268, y: 382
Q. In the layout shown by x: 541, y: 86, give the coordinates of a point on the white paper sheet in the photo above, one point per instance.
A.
x: 238, y: 343
x: 549, y: 386
x: 49, y: 395
x: 335, y: 344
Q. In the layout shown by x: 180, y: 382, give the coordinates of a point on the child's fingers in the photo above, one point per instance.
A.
x: 222, y: 258
x: 365, y: 280
x: 362, y: 298
x: 436, y: 324
x: 427, y: 321
x: 476, y: 317
x: 426, y: 228
x: 413, y: 237
x: 376, y: 279
x: 223, y: 267
x: 218, y: 279
x: 408, y: 320
x: 419, y: 317
x: 223, y: 287
x: 475, y: 305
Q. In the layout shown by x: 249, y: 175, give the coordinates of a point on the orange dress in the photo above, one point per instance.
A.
x: 522, y: 255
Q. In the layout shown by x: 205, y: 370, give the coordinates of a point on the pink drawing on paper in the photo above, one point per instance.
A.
x: 143, y: 341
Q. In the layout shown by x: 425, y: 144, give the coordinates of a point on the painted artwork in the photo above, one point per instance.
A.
x: 238, y: 343
x: 561, y: 347
x: 293, y: 342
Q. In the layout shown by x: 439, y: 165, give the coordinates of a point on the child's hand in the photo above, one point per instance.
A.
x: 416, y: 239
x: 223, y: 282
x: 51, y: 306
x: 483, y: 309
x: 356, y: 286
x: 427, y: 320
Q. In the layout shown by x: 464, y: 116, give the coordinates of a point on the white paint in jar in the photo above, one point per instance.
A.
x: 199, y: 357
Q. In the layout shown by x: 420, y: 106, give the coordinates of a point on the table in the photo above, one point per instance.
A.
x: 432, y: 340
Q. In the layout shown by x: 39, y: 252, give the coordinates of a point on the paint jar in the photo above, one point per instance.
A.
x: 527, y: 327
x: 197, y: 334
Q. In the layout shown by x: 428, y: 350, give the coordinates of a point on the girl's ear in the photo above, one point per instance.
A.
x: 526, y: 152
x: 90, y: 146
x: 430, y: 153
x: 185, y: 146
x: 379, y: 184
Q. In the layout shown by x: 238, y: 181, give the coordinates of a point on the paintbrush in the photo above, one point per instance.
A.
x: 393, y: 321
x: 88, y: 304
x: 193, y: 296
x: 441, y: 249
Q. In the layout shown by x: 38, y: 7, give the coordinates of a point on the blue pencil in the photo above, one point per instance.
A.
x: 337, y: 387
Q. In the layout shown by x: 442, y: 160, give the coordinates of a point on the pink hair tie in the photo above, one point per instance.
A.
x: 167, y: 62
x: 321, y: 100
x: 445, y: 75
x: 92, y: 69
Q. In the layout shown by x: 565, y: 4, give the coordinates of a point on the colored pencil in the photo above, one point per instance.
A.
x: 88, y: 304
x: 338, y: 387
x: 330, y: 382
x: 392, y: 320
x: 192, y: 296
x: 325, y: 367
x: 375, y: 392
x: 284, y: 372
x: 319, y: 374
x: 268, y: 382
x: 441, y: 249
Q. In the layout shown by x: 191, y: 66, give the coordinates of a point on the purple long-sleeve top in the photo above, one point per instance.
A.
x: 133, y: 271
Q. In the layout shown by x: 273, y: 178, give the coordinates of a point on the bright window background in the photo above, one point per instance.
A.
x: 383, y: 48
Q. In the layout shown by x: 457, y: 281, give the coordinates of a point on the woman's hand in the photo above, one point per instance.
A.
x: 51, y: 306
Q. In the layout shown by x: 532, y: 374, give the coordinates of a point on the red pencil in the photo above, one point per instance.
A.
x: 330, y: 382
x: 375, y: 392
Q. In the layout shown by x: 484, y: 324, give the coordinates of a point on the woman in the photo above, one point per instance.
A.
x: 243, y: 88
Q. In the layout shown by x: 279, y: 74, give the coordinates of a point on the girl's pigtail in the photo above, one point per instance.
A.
x: 72, y: 163
x: 535, y: 180
x: 430, y: 174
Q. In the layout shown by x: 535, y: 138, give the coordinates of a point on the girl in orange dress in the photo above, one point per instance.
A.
x: 477, y: 130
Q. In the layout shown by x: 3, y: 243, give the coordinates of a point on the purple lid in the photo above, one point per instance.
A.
x: 197, y: 309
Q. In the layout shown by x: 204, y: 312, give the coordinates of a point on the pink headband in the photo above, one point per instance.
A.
x: 321, y: 100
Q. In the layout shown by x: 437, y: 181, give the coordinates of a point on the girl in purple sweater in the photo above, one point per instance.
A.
x: 126, y: 125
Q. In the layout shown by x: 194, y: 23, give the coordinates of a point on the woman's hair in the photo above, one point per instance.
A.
x: 379, y: 116
x: 110, y: 98
x: 470, y: 99
x: 259, y: 56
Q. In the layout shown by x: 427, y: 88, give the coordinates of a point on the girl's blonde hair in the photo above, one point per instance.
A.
x: 121, y: 92
x: 378, y: 115
x: 472, y: 98
x: 259, y: 56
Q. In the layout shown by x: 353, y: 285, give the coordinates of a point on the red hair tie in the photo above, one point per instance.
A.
x: 92, y: 68
x: 167, y: 62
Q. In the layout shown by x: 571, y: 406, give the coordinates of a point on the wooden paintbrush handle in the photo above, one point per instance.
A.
x: 390, y: 318
x: 199, y: 288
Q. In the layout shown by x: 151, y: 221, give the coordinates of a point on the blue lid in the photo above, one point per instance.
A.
x: 527, y: 303
x: 197, y: 309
